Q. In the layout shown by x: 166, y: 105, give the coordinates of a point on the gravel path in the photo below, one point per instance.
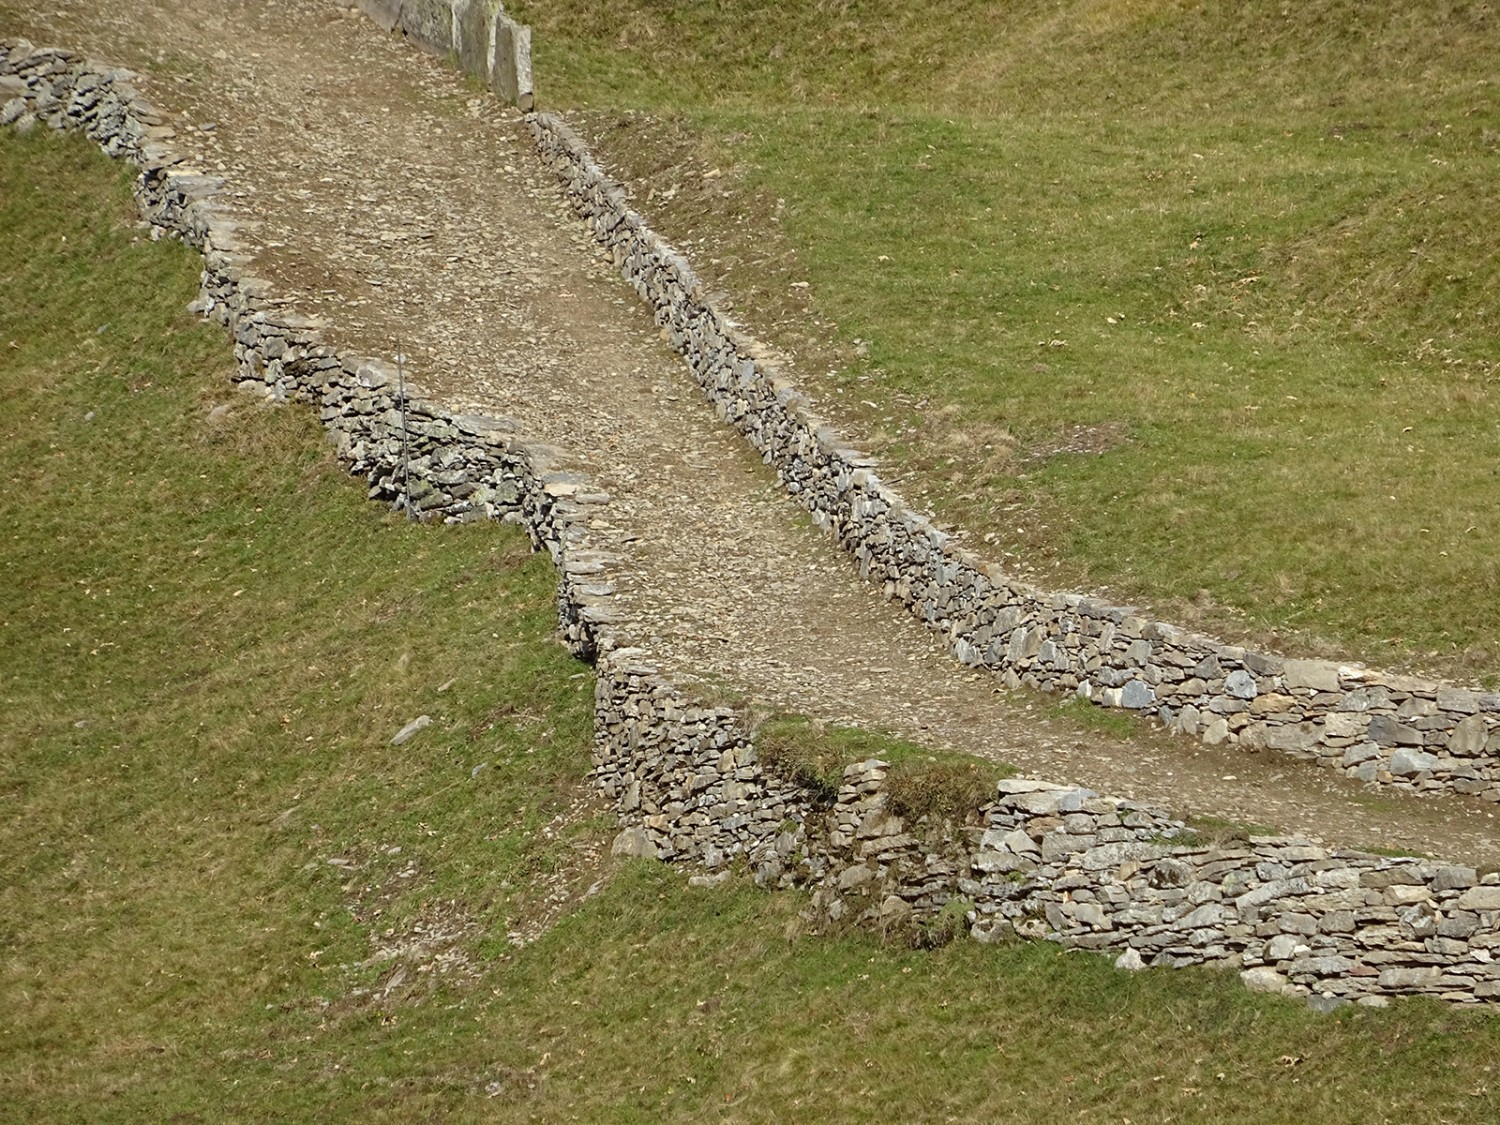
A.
x: 407, y: 208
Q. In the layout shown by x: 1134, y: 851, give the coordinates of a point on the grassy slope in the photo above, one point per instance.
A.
x: 207, y: 638
x: 1244, y: 249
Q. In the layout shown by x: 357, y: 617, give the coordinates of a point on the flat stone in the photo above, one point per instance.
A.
x: 1314, y: 675
x: 1421, y: 977
x: 1468, y: 737
x: 1010, y: 785
x: 1453, y: 878
x: 1480, y: 898
x: 1359, y: 752
x: 1291, y: 739
x: 1344, y: 724
x: 1389, y: 732
x: 1406, y: 762
x: 1282, y: 947
x: 855, y: 875
x: 1051, y: 801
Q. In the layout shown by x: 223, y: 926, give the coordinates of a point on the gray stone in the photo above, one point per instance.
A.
x: 1263, y: 978
x: 635, y: 844
x: 1137, y: 696
x: 1459, y: 700
x: 1050, y: 802
x: 1240, y: 684
x: 1480, y: 898
x: 1344, y: 724
x: 1359, y: 752
x: 409, y: 731
x: 894, y: 909
x: 511, y: 76
x: 385, y: 13
x: 1454, y: 878
x: 1319, y: 1003
x: 855, y: 875
x: 1406, y: 762
x: 1410, y: 978
x: 1282, y: 947
x: 429, y: 22
x: 1387, y: 731
x: 1131, y: 961
x: 1293, y: 739
x: 1311, y: 675
x: 475, y: 29
x: 1089, y: 914
x: 1468, y: 737
x: 1326, y: 966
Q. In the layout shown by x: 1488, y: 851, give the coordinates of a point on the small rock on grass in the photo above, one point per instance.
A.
x: 411, y: 728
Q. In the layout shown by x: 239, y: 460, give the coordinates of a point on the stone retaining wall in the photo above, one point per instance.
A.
x: 486, y: 42
x: 1388, y: 730
x: 1043, y: 861
x: 1099, y: 873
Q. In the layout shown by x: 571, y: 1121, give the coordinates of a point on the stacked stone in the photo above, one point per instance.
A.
x: 1418, y: 735
x: 871, y: 868
x: 687, y: 774
x: 486, y: 42
x: 685, y: 778
x: 1098, y: 873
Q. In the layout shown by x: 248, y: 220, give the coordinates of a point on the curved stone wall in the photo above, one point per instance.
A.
x: 1412, y: 734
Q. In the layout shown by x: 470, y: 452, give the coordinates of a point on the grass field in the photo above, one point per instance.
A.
x: 1194, y: 303
x: 227, y: 897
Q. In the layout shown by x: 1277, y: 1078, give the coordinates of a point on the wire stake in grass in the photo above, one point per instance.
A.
x: 404, y: 501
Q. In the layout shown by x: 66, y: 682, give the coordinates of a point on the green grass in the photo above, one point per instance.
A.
x: 207, y: 640
x: 1115, y: 724
x: 921, y: 781
x: 1195, y: 303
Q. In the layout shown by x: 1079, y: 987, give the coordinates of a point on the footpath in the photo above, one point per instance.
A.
x: 383, y: 194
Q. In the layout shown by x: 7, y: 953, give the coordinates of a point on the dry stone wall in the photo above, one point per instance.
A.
x: 1100, y: 873
x: 1382, y: 729
x: 485, y: 41
x: 1040, y: 861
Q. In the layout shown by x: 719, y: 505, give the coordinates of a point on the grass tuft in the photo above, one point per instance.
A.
x: 922, y: 782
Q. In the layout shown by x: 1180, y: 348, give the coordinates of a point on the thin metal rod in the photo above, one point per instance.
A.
x: 411, y: 511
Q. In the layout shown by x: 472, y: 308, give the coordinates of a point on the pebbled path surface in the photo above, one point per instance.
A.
x: 406, y: 207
